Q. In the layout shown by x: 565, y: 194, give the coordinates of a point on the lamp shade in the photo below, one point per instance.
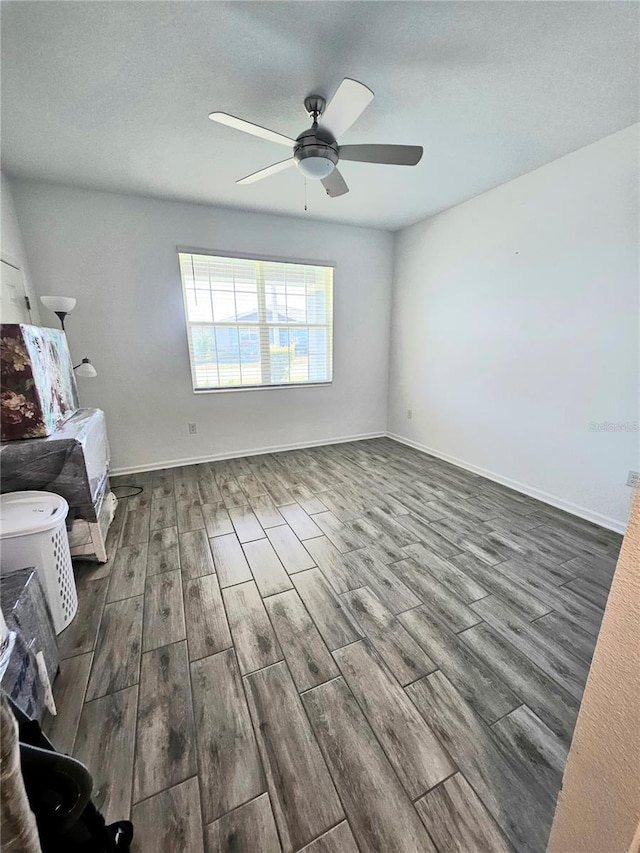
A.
x: 63, y: 304
x: 85, y: 369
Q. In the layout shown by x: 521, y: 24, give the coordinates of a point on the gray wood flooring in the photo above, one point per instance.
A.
x: 348, y: 648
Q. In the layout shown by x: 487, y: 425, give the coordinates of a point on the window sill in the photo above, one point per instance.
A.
x: 235, y: 389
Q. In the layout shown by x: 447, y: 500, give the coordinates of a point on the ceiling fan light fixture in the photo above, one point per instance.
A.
x: 315, y: 166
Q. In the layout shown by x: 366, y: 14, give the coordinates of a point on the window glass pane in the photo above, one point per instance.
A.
x: 299, y: 338
x: 275, y: 292
x: 224, y: 306
x: 227, y: 273
x: 295, y: 274
x: 274, y: 275
x: 203, y: 349
x: 244, y: 275
x: 247, y: 306
x: 185, y: 272
x: 296, y: 305
x: 221, y: 279
x: 275, y: 304
x: 295, y: 291
x: 203, y: 344
x: 250, y: 364
x: 199, y: 305
x: 228, y: 355
x: 316, y: 304
x: 280, y: 354
x: 318, y: 362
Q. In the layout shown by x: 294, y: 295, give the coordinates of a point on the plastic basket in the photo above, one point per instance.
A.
x: 33, y: 533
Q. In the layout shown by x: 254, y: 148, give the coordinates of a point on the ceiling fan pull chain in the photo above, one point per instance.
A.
x: 305, y: 194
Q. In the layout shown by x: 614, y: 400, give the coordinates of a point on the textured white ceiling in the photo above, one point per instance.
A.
x: 115, y: 95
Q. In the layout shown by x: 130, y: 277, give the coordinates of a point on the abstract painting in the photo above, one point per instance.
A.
x: 38, y: 385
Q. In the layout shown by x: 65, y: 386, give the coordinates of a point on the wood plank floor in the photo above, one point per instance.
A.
x: 352, y: 647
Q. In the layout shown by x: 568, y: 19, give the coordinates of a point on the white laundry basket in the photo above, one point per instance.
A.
x: 33, y: 533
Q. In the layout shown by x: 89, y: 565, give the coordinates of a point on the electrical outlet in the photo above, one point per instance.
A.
x: 409, y: 413
x: 193, y: 429
x: 634, y: 478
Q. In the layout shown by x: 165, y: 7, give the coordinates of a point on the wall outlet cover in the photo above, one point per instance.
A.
x: 634, y: 478
x: 193, y: 429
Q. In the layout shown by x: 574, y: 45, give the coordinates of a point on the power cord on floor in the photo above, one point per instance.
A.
x: 137, y: 490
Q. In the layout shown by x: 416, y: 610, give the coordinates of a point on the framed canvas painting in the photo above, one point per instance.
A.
x: 39, y: 388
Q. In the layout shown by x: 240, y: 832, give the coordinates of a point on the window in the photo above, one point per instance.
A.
x: 255, y: 324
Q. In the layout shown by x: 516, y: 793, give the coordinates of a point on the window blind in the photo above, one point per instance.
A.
x: 255, y: 324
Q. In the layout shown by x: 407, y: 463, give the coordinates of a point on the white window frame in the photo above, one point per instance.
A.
x: 234, y: 389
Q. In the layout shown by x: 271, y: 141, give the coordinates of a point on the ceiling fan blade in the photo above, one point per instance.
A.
x: 346, y: 106
x: 253, y: 129
x: 394, y: 155
x: 335, y: 184
x: 266, y: 173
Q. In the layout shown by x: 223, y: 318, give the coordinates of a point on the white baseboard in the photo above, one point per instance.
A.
x: 523, y: 488
x: 254, y: 451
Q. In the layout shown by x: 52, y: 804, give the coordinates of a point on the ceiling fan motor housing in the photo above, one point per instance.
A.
x: 316, y: 153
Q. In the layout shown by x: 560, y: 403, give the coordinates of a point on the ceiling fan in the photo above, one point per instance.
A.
x: 315, y: 151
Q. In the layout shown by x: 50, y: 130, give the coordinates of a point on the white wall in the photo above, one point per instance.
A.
x: 515, y: 325
x: 117, y: 255
x: 11, y: 244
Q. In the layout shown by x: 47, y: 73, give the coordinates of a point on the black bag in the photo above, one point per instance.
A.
x: 59, y: 791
